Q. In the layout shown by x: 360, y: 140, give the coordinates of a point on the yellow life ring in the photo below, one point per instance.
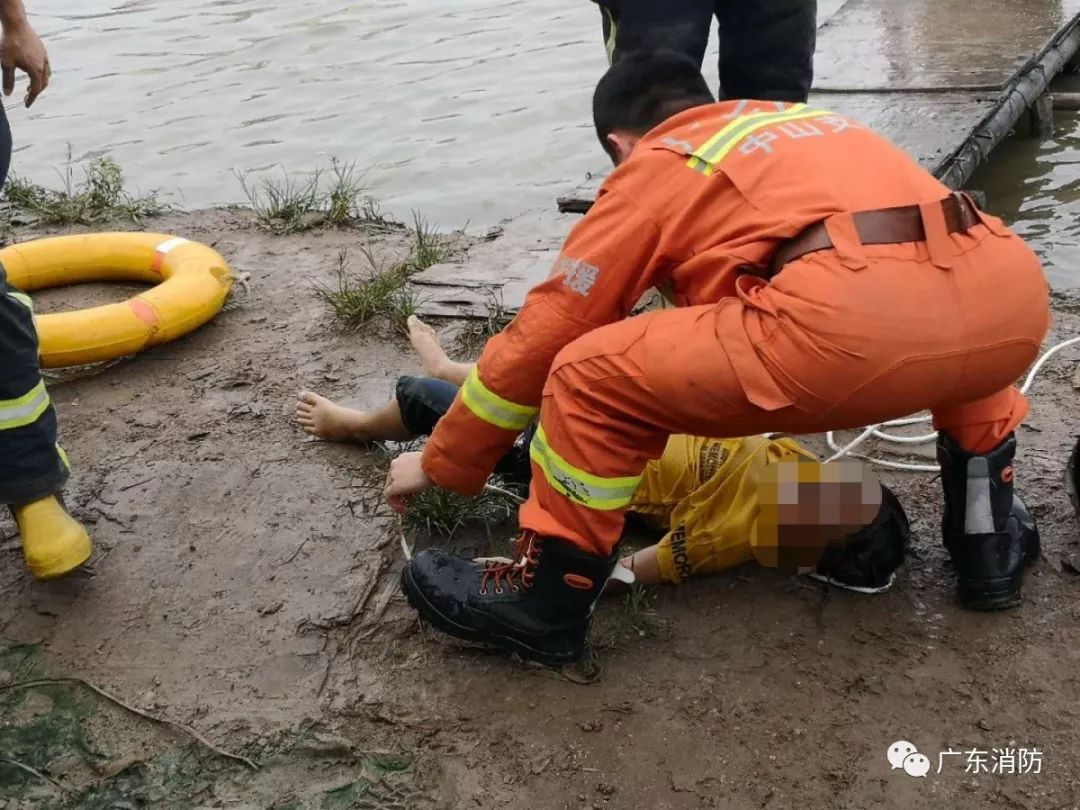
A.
x: 192, y: 281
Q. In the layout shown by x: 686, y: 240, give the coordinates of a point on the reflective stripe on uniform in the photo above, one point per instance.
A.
x: 24, y: 410
x: 602, y: 494
x: 492, y: 408
x: 612, y: 26
x: 705, y: 158
x: 63, y: 456
x: 23, y: 299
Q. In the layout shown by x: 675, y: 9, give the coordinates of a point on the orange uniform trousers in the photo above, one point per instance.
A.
x: 836, y: 340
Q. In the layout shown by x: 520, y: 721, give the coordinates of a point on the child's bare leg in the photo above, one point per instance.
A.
x: 433, y: 356
x: 319, y: 416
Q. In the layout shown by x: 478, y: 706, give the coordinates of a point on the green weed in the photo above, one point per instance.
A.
x: 428, y: 247
x: 290, y: 205
x: 439, y: 511
x: 476, y: 332
x: 358, y: 299
x: 633, y: 619
x: 296, y: 203
x: 100, y: 196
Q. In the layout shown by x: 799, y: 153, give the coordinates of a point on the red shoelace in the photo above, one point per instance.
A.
x: 519, y: 569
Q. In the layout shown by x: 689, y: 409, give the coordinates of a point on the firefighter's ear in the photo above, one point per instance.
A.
x: 620, y: 144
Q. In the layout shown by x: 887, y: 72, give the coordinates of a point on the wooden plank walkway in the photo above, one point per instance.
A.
x: 945, y: 80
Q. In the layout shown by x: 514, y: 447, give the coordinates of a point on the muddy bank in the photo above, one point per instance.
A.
x: 245, y: 584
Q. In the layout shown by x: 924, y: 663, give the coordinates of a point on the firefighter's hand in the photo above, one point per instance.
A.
x: 406, y: 477
x: 21, y: 48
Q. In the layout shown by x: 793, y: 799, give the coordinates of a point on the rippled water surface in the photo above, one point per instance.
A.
x: 468, y: 109
x: 1035, y: 186
x: 471, y: 110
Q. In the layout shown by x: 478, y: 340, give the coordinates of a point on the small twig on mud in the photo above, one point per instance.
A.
x: 33, y: 772
x: 146, y: 715
x: 329, y: 666
x: 512, y: 495
x: 299, y: 548
x: 401, y: 536
x: 137, y: 483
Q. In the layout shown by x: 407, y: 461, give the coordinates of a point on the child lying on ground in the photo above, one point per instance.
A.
x: 706, y: 494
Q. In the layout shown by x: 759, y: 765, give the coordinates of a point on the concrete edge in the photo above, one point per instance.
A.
x: 1026, y: 87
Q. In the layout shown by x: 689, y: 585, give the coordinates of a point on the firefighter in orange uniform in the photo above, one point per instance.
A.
x: 825, y: 280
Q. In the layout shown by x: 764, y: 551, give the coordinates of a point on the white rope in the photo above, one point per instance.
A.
x: 925, y: 438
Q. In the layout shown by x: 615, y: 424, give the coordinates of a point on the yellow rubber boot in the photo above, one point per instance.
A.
x: 53, y: 542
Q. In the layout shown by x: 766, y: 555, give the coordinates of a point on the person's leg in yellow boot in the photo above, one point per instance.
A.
x: 33, y: 468
x: 54, y: 543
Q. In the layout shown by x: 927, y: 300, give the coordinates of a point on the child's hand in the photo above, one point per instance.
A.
x: 406, y: 477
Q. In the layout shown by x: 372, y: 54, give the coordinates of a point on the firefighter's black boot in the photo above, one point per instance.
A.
x: 987, y: 528
x: 539, y: 606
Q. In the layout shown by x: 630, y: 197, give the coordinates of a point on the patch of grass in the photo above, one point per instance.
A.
x: 100, y: 196
x: 287, y: 206
x: 428, y: 247
x: 638, y: 615
x: 441, y: 512
x: 403, y: 305
x: 476, y: 332
x: 380, y: 293
x: 358, y: 299
x: 296, y: 203
x: 634, y: 618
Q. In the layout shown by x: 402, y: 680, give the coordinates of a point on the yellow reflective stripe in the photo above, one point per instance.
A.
x: 612, y: 26
x: 602, y: 494
x: 492, y: 408
x: 24, y: 410
x: 63, y: 456
x: 740, y: 122
x: 705, y: 158
x: 23, y: 299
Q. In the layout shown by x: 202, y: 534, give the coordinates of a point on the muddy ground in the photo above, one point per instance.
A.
x: 245, y: 583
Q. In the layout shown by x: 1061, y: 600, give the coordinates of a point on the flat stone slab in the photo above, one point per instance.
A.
x: 933, y: 44
x: 496, y: 274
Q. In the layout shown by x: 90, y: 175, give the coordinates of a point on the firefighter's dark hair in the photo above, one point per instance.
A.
x: 643, y: 89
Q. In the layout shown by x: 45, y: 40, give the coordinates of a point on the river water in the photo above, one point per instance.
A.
x: 1034, y: 185
x: 469, y: 110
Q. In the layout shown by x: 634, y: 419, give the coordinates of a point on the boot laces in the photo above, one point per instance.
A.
x: 519, y: 569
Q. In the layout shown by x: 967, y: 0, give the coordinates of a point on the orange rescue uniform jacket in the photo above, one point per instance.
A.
x: 704, y: 197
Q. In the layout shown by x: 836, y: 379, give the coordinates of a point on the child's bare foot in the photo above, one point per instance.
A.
x: 425, y: 342
x: 320, y: 417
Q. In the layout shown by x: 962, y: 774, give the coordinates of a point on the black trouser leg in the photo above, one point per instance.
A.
x: 678, y: 25
x: 767, y: 48
x: 423, y: 401
x: 31, y: 465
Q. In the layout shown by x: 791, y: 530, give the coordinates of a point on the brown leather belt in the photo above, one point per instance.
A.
x: 885, y: 226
